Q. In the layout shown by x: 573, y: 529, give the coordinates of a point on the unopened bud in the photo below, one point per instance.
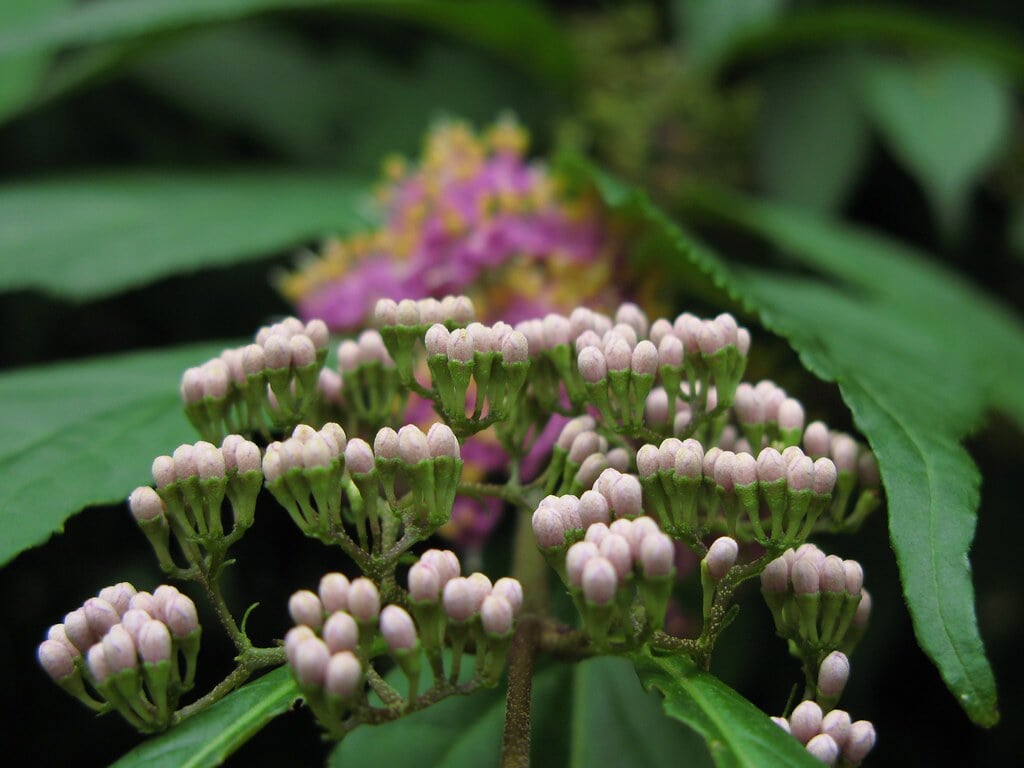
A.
x: 56, y: 659
x: 496, y: 616
x: 293, y: 638
x: 837, y: 725
x: 97, y: 663
x: 617, y: 551
x: 424, y: 583
x: 302, y: 351
x: 860, y: 740
x: 591, y: 364
x: 600, y: 581
x: 119, y: 649
x: 184, y: 461
x: 806, y: 577
x: 181, y: 616
x: 824, y: 476
x: 775, y: 576
x: 670, y: 351
x: 459, y: 599
x: 408, y: 312
x: 412, y: 445
x: 800, y: 474
x: 333, y: 591
x: 145, y: 504
x: 359, y: 456
x: 341, y: 633
x: 511, y: 590
x: 101, y: 615
x: 515, y: 348
x: 854, y: 576
x: 644, y: 360
x: 709, y: 338
x: 344, y: 675
x: 364, y: 600
x: 575, y: 560
x: 782, y: 722
x: 824, y: 748
x: 657, y: 555
x: 833, y: 674
x: 385, y: 313
x: 805, y: 721
x: 721, y: 557
x: 593, y: 508
x: 305, y: 608
x: 154, y: 642
x: 816, y: 440
x: 310, y: 662
x: 627, y: 497
x: 548, y: 527
x: 397, y: 627
x: 385, y: 444
x: 441, y: 441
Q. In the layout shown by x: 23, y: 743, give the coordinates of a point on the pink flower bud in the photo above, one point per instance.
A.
x: 216, y: 379
x: 363, y: 600
x: 568, y: 507
x: 441, y: 441
x: 644, y: 360
x: 670, y: 351
x: 782, y: 722
x: 55, y: 659
x: 424, y: 583
x: 743, y: 341
x: 412, y: 445
x: 647, y: 459
x: 591, y: 364
x: 656, y: 407
x: 303, y: 433
x: 724, y: 470
x: 310, y: 664
x: 630, y: 314
x: 302, y: 351
x: 744, y: 470
x: 657, y: 555
x: 854, y: 574
x: 860, y: 740
x: 721, y: 557
x: 445, y: 563
x: 100, y: 615
x: 747, y: 404
x: 180, y: 616
x: 480, y: 586
x: 806, y: 577
x: 58, y: 635
x: 305, y: 608
x: 385, y: 444
x: 709, y: 339
x: 833, y: 674
x: 585, y: 444
x: 163, y: 596
x: 791, y: 415
x: 800, y: 475
x: 118, y: 595
x: 599, y: 581
x: 349, y: 356
x: 397, y: 627
x: 358, y: 456
x: 145, y: 504
x: 710, y: 460
x: 277, y: 352
x: 431, y: 310
x: 816, y: 440
x: 511, y: 590
x: 344, y: 675
x: 333, y: 594
x: 408, y: 312
x: 775, y: 576
x: 133, y: 621
x: 254, y: 359
x: 459, y: 599
x: 605, y: 481
x: 833, y: 575
x: 191, y: 388
x: 593, y: 508
x: 480, y: 337
x: 515, y: 348
x: 616, y: 550
x: 385, y: 313
x: 460, y: 346
x: 548, y: 527
x: 119, y: 649
x: 726, y: 323
x: 496, y: 616
x: 154, y: 642
x: 640, y: 528
x: 97, y: 663
x: 462, y: 310
x: 272, y: 465
x: 805, y: 721
x: 294, y: 638
x: 143, y: 601
x: 316, y: 331
x: 184, y: 462
x: 618, y: 356
x: 688, y: 463
x: 627, y: 496
x: 209, y: 461
x: 437, y: 339
x: 576, y: 558
x: 341, y: 633
x: 824, y: 748
x: 660, y: 329
x: 163, y: 471
x: 596, y: 533
x: 555, y: 330
x: 837, y: 725
x: 588, y: 339
x: 618, y: 458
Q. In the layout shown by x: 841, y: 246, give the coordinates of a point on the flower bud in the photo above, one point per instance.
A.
x: 591, y: 364
x: 618, y: 356
x: 145, y: 504
x: 154, y: 642
x: 575, y: 560
x: 364, y: 600
x: 316, y: 453
x: 459, y: 599
x: 724, y: 469
x: 747, y: 404
x: 460, y: 346
x: 385, y: 313
x: 310, y: 664
x: 316, y: 331
x: 860, y: 740
x: 616, y: 550
x: 844, y: 451
x: 55, y: 659
x: 596, y: 533
x: 163, y: 596
x: 358, y: 456
x: 97, y: 663
x: 833, y: 674
x: 800, y: 474
x: 593, y: 508
x: 644, y: 360
x: 133, y: 621
x: 833, y: 575
x: 437, y: 340
x: 496, y: 616
x: 441, y: 441
x: 397, y: 627
x: 511, y: 590
x: 647, y: 460
x: 657, y: 555
x: 444, y: 562
x: 254, y: 359
x: 181, y: 616
x: 424, y: 583
x: 599, y: 581
x: 854, y: 576
x: 333, y: 591
x: 305, y: 608
x: 775, y: 576
x: 660, y: 330
x: 791, y: 415
x: 837, y: 725
x: 408, y: 312
x: 709, y: 338
x: 727, y: 325
x: 627, y: 496
x: 743, y: 341
x: 816, y: 440
x: 119, y: 649
x: 293, y: 639
x: 431, y: 310
x: 824, y: 476
x: 349, y: 356
x: 163, y: 471
x: 782, y: 722
x: 58, y: 635
x: 548, y: 527
x: 344, y: 675
x: 721, y: 557
x: 670, y: 350
x: 119, y: 596
x: 385, y: 444
x: 341, y: 633
x: 101, y: 615
x: 805, y: 721
x: 143, y: 601
x: 277, y: 352
x: 806, y: 577
x: 412, y: 445
x: 824, y: 748
x: 515, y: 348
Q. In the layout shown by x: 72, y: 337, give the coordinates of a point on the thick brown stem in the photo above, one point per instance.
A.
x: 515, y: 747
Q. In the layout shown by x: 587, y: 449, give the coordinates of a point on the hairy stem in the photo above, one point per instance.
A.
x: 515, y: 745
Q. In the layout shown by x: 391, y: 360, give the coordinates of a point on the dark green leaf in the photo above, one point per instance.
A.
x: 947, y: 120
x: 737, y: 733
x: 209, y: 738
x: 20, y: 74
x: 85, y: 433
x: 615, y: 723
x: 709, y: 27
x: 918, y: 356
x: 812, y: 136
x: 121, y: 231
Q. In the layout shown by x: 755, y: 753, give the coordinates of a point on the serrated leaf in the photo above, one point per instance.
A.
x: 209, y: 738
x: 120, y: 231
x: 616, y: 723
x: 738, y: 734
x: 947, y: 120
x: 812, y: 136
x: 85, y: 433
x: 918, y: 356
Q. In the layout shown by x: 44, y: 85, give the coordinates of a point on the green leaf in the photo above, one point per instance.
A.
x: 918, y: 356
x: 458, y: 731
x: 709, y: 27
x: 209, y: 738
x: 125, y: 230
x: 737, y: 733
x: 85, y: 433
x: 20, y: 74
x: 812, y: 136
x: 499, y: 26
x: 615, y: 723
x: 947, y: 120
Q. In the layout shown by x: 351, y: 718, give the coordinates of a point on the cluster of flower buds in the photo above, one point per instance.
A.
x: 368, y: 385
x: 775, y: 497
x: 832, y: 738
x: 856, y: 467
x: 403, y: 324
x: 603, y: 547
x: 190, y: 489
x: 332, y: 647
x: 136, y: 651
x: 817, y: 601
x: 580, y: 456
x: 494, y: 359
x: 766, y: 415
x: 274, y: 379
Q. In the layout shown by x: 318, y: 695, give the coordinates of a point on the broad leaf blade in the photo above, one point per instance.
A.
x: 738, y: 734
x: 20, y: 74
x: 122, y: 231
x: 616, y: 723
x: 85, y: 433
x: 209, y: 738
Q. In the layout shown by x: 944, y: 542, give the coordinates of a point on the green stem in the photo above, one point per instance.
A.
x: 251, y: 661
